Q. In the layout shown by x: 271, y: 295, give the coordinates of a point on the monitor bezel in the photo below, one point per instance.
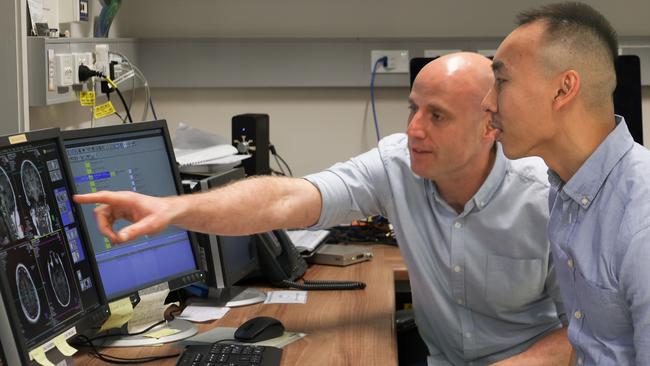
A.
x: 79, y: 321
x: 88, y: 133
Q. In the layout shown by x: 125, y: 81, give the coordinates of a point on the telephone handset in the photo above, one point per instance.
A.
x: 281, y: 264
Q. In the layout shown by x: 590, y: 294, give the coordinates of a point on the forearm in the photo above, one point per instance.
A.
x: 553, y: 349
x: 252, y: 205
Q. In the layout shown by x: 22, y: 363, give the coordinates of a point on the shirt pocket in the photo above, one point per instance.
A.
x: 605, y: 312
x: 512, y: 283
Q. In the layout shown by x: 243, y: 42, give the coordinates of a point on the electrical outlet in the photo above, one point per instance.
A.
x: 82, y: 58
x: 64, y: 69
x: 101, y: 58
x: 398, y: 61
x: 438, y: 53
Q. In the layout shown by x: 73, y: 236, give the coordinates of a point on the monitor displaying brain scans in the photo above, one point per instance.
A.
x: 42, y: 264
x: 39, y: 210
x: 10, y: 228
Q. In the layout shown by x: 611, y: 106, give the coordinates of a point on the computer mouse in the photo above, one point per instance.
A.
x: 259, y: 329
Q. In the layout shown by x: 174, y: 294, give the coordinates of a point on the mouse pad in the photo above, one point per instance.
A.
x: 220, y: 333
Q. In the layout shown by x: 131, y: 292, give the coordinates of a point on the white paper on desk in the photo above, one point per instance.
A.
x: 206, y: 155
x: 286, y: 297
x: 150, y: 309
x: 195, y: 313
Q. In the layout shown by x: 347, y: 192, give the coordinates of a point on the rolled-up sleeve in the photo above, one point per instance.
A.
x: 351, y: 190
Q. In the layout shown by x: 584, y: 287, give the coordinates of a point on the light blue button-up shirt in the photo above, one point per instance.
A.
x: 481, y: 280
x: 600, y: 234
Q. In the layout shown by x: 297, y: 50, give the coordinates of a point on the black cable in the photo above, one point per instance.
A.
x: 128, y: 334
x: 279, y: 165
x: 153, y: 110
x: 108, y: 96
x: 276, y: 155
x: 324, y: 285
x: 116, y: 359
x: 126, y: 107
x: 285, y: 164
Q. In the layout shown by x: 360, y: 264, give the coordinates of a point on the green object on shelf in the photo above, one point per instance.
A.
x: 105, y: 19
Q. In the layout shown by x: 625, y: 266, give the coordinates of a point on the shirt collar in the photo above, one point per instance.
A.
x: 487, y: 190
x: 493, y: 180
x: 587, y: 181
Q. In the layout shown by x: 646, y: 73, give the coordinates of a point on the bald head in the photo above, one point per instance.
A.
x: 465, y: 74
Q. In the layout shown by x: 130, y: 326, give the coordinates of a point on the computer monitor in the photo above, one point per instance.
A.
x: 226, y: 259
x: 135, y: 157
x: 49, y: 284
x: 627, y: 95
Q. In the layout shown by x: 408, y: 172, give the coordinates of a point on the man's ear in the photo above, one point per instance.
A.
x: 567, y: 87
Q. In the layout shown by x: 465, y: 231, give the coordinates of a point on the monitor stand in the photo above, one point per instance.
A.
x: 234, y: 296
x: 186, y: 328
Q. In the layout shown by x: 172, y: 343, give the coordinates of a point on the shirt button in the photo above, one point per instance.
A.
x: 580, y: 360
x: 457, y: 225
x: 456, y: 269
x: 570, y: 263
x: 468, y: 335
x: 584, y: 201
x: 578, y: 314
x: 460, y: 301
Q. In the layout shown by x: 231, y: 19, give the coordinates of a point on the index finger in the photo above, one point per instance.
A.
x: 105, y: 197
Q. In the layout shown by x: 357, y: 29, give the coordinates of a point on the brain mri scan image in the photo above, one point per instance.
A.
x: 10, y: 229
x: 27, y: 294
x: 39, y: 210
x: 58, y: 279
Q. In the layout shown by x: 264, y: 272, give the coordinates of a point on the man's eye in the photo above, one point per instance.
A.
x: 437, y: 116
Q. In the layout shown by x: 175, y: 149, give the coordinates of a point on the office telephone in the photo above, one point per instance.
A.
x: 281, y: 264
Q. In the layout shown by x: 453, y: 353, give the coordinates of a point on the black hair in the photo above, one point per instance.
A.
x: 565, y: 18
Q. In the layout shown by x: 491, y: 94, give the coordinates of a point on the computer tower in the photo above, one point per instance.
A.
x: 208, y: 244
x: 250, y: 134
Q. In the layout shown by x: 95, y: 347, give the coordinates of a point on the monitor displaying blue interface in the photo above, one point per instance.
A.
x: 48, y: 282
x: 134, y: 158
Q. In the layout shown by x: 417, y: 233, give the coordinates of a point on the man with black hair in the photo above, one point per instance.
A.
x: 552, y: 97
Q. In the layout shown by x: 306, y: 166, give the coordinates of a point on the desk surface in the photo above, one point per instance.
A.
x: 343, y: 327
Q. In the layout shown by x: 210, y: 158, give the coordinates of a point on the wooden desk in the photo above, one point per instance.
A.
x: 343, y: 327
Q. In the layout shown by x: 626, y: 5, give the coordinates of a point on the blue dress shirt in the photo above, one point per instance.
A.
x: 482, y: 281
x: 600, y: 234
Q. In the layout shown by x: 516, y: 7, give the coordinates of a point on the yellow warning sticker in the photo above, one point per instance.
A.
x: 104, y: 110
x: 87, y: 98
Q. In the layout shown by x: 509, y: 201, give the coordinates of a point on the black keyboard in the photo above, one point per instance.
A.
x: 224, y: 354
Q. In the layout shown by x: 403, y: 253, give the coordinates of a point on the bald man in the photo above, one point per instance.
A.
x: 553, y: 98
x: 469, y: 222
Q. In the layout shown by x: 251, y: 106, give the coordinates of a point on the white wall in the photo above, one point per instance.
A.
x: 312, y: 128
x: 351, y: 19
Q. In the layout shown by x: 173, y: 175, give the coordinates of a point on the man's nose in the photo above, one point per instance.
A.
x: 415, y: 128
